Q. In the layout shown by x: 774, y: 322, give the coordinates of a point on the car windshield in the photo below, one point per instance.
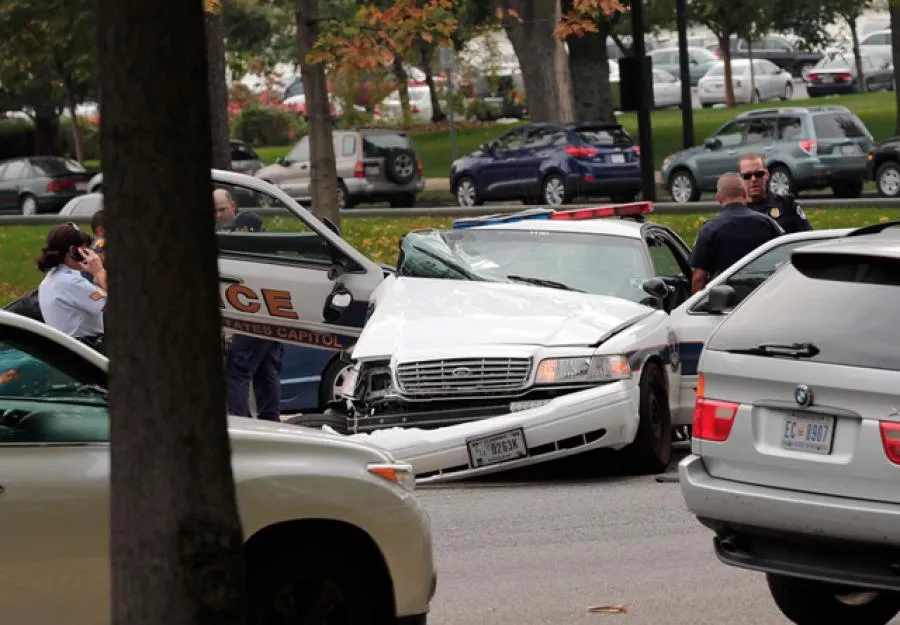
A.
x: 24, y: 375
x: 598, y: 264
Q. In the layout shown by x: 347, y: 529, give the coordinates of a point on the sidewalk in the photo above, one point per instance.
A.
x: 443, y: 184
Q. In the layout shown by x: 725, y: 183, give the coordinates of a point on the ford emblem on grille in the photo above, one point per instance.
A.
x: 803, y: 396
x: 461, y: 372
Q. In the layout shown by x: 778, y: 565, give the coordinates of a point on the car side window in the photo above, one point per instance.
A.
x: 242, y: 154
x: 760, y: 130
x: 512, y: 140
x: 665, y: 260
x: 732, y: 135
x: 285, y: 237
x: 48, y: 394
x: 790, y: 127
x: 15, y: 170
x: 300, y: 151
x: 542, y: 138
x: 348, y: 145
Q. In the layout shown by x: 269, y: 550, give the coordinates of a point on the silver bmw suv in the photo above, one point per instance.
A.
x: 795, y: 461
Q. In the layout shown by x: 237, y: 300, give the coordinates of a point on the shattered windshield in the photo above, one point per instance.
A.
x: 598, y: 264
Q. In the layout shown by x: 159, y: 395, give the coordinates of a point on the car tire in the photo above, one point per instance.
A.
x: 847, y: 189
x: 400, y: 166
x: 651, y: 450
x: 406, y: 200
x: 682, y: 186
x: 466, y: 193
x: 781, y: 182
x: 887, y: 179
x: 304, y: 575
x: 809, y: 602
x: 788, y: 92
x: 554, y: 191
x: 28, y: 205
x: 344, y: 199
x: 332, y: 380
x: 706, y: 105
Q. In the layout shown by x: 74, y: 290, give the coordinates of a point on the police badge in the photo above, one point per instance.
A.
x: 774, y: 212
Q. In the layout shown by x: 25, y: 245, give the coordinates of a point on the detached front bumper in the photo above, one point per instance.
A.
x: 603, y: 416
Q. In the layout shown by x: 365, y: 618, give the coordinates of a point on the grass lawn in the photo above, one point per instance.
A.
x: 375, y: 237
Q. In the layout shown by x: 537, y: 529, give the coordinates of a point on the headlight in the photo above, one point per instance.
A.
x: 666, y: 162
x: 400, y: 474
x: 582, y: 369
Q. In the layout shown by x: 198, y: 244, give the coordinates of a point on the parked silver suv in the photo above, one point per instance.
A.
x: 796, y: 433
x: 373, y: 165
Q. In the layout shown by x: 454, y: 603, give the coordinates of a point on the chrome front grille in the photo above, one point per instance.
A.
x: 471, y: 377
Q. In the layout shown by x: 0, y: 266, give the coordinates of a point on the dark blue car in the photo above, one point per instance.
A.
x: 550, y: 164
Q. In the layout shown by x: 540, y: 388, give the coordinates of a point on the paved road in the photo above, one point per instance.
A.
x: 538, y: 552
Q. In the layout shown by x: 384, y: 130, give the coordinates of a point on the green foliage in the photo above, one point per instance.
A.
x: 259, y: 34
x: 482, y: 111
x: 16, y: 138
x: 265, y: 125
x: 91, y: 136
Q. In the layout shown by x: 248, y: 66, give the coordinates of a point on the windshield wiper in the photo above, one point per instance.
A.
x: 448, y: 263
x: 794, y: 350
x: 553, y: 284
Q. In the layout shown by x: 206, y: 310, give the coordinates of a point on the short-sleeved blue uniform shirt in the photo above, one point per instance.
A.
x: 729, y: 236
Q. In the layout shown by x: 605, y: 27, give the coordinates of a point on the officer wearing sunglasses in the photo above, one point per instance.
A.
x: 784, y: 210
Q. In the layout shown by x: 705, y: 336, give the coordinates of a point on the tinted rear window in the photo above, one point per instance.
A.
x: 383, y: 144
x: 57, y: 166
x: 837, y: 126
x: 604, y: 136
x: 844, y: 305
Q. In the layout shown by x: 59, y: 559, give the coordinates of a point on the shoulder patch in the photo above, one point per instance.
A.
x: 774, y: 212
x: 98, y: 295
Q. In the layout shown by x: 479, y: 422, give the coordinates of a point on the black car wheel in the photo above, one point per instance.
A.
x: 400, y: 166
x: 887, y: 180
x: 554, y: 192
x: 466, y: 193
x: 781, y: 182
x: 682, y: 187
x: 28, y: 205
x: 651, y: 450
x: 808, y: 602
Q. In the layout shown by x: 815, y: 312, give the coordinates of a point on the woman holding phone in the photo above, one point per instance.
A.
x: 70, y: 302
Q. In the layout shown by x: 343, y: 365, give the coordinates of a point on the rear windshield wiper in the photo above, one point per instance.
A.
x: 794, y: 350
x: 553, y: 284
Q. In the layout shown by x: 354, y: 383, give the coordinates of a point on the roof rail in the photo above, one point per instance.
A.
x: 874, y: 228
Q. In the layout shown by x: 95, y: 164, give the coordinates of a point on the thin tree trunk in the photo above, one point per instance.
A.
x: 176, y: 539
x: 218, y: 89
x: 46, y: 133
x: 752, y: 72
x: 426, y: 52
x: 725, y: 47
x: 542, y: 58
x: 323, y: 173
x: 854, y: 36
x: 589, y: 65
x: 402, y: 88
x: 77, y: 131
x: 894, y: 12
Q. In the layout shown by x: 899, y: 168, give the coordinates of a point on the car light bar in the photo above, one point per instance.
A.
x: 500, y: 218
x: 632, y: 209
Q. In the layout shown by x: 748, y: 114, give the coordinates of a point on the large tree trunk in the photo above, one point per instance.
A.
x: 176, y: 539
x: 323, y: 173
x: 589, y: 65
x: 77, y: 131
x: 402, y: 88
x: 894, y: 11
x: 854, y: 37
x: 725, y: 47
x: 46, y: 132
x: 426, y: 54
x: 542, y: 58
x: 218, y: 89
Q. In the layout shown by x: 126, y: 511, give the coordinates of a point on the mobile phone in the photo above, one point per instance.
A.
x: 77, y: 256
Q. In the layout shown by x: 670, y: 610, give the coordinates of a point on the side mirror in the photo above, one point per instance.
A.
x: 487, y: 148
x: 388, y: 270
x: 332, y: 226
x: 720, y: 299
x: 281, y: 160
x: 336, y: 305
x: 656, y: 288
x: 712, y: 143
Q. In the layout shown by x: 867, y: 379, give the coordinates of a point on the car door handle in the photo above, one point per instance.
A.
x: 769, y: 147
x: 732, y: 151
x: 230, y: 280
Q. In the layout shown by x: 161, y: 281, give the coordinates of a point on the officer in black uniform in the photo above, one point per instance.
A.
x: 729, y: 236
x: 783, y: 209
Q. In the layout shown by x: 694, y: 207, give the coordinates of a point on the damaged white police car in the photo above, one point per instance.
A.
x: 513, y: 340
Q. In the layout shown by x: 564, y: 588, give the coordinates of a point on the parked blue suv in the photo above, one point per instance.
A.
x: 550, y: 164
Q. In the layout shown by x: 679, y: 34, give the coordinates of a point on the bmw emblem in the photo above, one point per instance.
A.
x: 803, y: 395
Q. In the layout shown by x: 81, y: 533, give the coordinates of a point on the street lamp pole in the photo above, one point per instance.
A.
x: 684, y: 66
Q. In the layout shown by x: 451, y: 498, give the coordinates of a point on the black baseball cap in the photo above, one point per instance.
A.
x: 250, y: 221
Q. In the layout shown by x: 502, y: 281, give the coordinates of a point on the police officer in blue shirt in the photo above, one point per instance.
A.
x: 783, y: 209
x: 69, y: 301
x: 729, y: 236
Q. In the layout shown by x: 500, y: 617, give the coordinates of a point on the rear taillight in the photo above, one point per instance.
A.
x: 713, y: 419
x: 60, y: 185
x: 812, y: 76
x: 845, y: 76
x: 359, y: 170
x: 420, y: 168
x: 809, y: 146
x: 890, y: 438
x: 637, y: 150
x: 579, y: 151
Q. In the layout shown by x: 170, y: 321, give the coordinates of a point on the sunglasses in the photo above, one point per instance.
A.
x: 753, y: 174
